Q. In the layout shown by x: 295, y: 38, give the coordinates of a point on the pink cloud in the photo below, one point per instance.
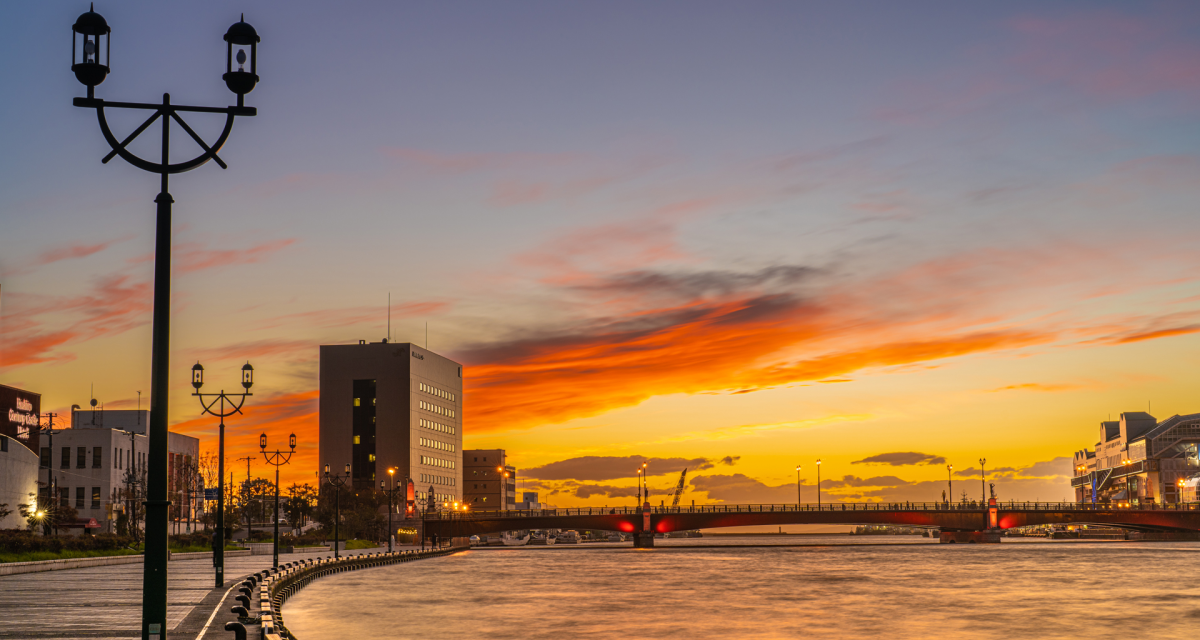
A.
x: 191, y: 257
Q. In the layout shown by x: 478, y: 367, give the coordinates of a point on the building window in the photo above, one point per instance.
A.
x: 357, y: 439
x: 95, y: 497
x: 66, y: 458
x: 358, y: 402
x: 81, y: 458
x: 3, y: 443
x: 97, y: 457
x: 45, y: 461
x: 78, y: 497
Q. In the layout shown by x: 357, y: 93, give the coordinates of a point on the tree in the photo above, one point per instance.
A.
x: 4, y: 510
x: 300, y: 504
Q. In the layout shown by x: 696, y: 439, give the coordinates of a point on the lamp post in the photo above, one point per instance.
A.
x: 950, y: 483
x: 818, y: 484
x: 90, y: 46
x: 639, y: 487
x: 798, y: 501
x: 391, y: 497
x: 337, y: 481
x: 277, y: 458
x: 982, y: 482
x: 230, y: 404
x: 645, y: 493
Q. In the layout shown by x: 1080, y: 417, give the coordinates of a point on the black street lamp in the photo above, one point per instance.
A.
x: 337, y: 481
x: 90, y: 46
x: 391, y: 498
x: 278, y: 459
x: 234, y: 401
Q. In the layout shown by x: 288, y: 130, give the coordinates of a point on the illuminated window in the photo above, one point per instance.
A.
x: 358, y: 402
x: 371, y: 457
x: 357, y: 440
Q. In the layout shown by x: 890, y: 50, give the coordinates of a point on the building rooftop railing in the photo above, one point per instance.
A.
x: 971, y: 506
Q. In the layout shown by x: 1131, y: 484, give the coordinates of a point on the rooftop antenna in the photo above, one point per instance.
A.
x: 426, y: 335
x: 139, y: 413
x: 93, y: 403
x: 389, y: 316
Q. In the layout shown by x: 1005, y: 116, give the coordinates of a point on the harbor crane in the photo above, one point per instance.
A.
x: 679, y: 488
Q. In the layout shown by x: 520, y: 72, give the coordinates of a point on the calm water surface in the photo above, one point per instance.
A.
x: 834, y: 587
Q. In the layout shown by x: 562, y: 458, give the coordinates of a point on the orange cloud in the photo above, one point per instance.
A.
x: 278, y: 416
x: 1037, y: 386
x: 190, y: 257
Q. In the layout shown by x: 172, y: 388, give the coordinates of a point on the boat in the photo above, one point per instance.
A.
x: 515, y: 538
x: 543, y: 537
x: 475, y: 541
x: 569, y: 537
x: 616, y: 537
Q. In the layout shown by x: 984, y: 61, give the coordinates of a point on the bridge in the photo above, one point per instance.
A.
x: 962, y: 517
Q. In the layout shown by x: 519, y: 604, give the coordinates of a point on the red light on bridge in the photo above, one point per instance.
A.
x: 627, y: 527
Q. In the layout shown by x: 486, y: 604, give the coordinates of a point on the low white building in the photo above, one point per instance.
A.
x: 18, y: 480
x: 91, y: 464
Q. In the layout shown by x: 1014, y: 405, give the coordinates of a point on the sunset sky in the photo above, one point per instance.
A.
x: 732, y: 237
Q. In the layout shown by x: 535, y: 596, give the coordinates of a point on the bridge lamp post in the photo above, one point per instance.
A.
x: 798, y: 501
x: 950, y: 482
x: 278, y: 459
x: 982, y: 481
x: 818, y: 484
x: 1179, y: 497
x: 645, y: 484
x: 337, y: 481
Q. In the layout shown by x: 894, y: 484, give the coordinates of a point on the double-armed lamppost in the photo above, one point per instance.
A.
x: 278, y: 459
x: 230, y: 404
x: 337, y: 481
x: 90, y: 48
x: 391, y: 498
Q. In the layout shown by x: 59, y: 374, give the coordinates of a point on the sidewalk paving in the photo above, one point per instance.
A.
x: 106, y: 602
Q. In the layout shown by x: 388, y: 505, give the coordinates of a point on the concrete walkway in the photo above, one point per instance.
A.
x: 106, y: 602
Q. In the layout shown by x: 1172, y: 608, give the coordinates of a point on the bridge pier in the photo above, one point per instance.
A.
x: 643, y: 540
x: 991, y: 536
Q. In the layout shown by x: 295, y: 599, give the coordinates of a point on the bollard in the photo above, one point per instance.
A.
x: 244, y: 599
x: 240, y: 611
x: 238, y: 629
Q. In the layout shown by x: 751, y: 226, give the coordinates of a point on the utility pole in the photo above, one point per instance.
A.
x: 51, y: 490
x: 245, y: 502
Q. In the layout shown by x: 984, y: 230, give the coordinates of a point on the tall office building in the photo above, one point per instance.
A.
x: 392, y: 405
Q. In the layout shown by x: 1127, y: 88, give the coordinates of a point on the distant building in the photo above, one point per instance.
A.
x: 484, y: 486
x: 392, y: 405
x: 20, y: 412
x: 1139, y: 461
x: 529, y: 500
x: 90, y: 467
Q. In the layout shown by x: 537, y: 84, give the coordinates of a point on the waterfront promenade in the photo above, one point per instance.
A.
x: 106, y: 602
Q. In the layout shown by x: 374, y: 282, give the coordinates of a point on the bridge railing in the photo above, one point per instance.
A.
x: 970, y: 506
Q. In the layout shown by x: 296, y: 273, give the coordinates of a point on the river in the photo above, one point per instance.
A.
x: 768, y: 587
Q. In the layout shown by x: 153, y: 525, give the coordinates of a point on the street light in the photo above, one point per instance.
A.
x: 818, y: 484
x: 231, y: 404
x: 798, y: 501
x: 391, y: 496
x: 90, y: 46
x: 337, y: 481
x: 645, y: 485
x: 982, y: 481
x: 277, y: 458
x: 950, y: 483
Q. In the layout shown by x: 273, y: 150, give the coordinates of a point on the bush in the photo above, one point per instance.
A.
x: 12, y: 541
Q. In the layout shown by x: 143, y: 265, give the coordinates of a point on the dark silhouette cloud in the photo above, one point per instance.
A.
x: 598, y: 468
x: 902, y: 458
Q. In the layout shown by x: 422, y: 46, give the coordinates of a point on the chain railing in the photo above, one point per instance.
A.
x: 972, y: 506
x: 272, y: 587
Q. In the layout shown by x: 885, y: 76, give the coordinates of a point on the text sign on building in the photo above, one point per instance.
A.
x: 19, y: 415
x: 211, y: 494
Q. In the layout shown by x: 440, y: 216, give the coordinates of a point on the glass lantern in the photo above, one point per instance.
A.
x: 90, y: 49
